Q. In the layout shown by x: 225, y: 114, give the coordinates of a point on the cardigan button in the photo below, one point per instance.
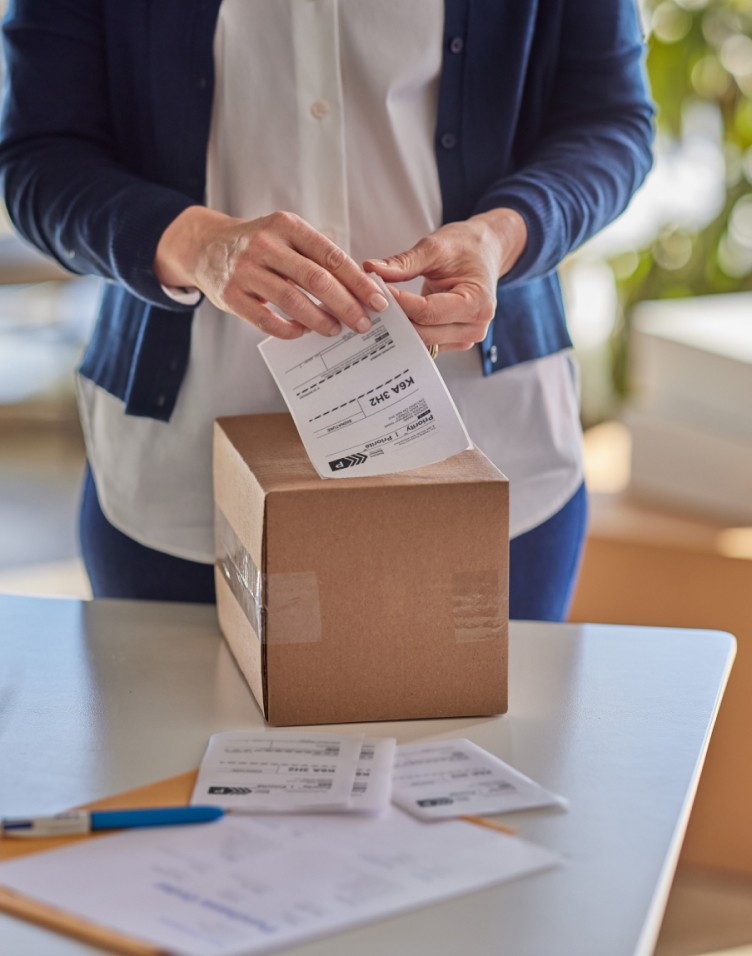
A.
x: 493, y: 355
x: 448, y: 140
x: 456, y: 45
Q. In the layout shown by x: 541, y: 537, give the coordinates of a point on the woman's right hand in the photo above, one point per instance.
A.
x: 245, y: 265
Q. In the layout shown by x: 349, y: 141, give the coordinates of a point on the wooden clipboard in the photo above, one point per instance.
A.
x: 173, y: 792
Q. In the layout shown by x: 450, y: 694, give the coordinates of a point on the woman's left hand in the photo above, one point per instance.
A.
x: 461, y: 263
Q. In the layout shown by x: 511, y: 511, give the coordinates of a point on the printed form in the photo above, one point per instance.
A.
x: 278, y: 771
x: 368, y: 404
x: 245, y: 885
x: 454, y: 778
x: 282, y: 772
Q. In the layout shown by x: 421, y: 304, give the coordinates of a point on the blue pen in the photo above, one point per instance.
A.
x: 87, y: 821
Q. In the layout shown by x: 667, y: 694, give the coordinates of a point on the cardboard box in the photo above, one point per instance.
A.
x: 691, y: 361
x: 360, y: 599
x: 690, y: 415
x: 699, y: 470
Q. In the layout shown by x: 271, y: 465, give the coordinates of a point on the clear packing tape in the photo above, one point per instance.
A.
x: 243, y: 577
x: 294, y: 595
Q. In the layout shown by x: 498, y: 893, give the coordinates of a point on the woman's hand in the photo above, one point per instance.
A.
x: 244, y: 266
x: 461, y: 263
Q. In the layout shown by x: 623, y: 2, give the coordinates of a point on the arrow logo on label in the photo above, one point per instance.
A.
x: 348, y: 462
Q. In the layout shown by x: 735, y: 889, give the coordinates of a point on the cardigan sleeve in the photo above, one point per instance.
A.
x: 66, y: 189
x: 594, y: 148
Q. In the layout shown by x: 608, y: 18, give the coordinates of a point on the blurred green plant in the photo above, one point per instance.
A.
x: 699, y: 51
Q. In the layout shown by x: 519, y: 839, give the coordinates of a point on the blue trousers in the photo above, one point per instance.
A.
x: 543, y: 563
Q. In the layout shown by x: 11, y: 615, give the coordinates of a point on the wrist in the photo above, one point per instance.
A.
x: 507, y: 236
x: 180, y: 245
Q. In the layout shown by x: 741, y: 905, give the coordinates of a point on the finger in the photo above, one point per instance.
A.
x: 448, y: 335
x: 352, y: 288
x: 327, y: 288
x: 458, y: 346
x: 292, y: 248
x: 462, y: 305
x: 421, y: 259
x: 450, y: 346
x: 355, y: 280
x: 296, y: 305
x: 267, y: 321
x: 445, y: 336
x: 453, y: 336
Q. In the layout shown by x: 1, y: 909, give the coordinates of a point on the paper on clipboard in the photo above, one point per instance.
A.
x: 245, y: 885
x: 371, y: 404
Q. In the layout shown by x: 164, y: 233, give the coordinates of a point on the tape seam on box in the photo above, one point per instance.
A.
x: 292, y: 595
x: 478, y: 606
x: 239, y: 570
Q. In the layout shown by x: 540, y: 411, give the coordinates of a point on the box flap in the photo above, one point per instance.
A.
x: 271, y: 448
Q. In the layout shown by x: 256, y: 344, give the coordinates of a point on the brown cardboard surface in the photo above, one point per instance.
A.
x: 288, y: 467
x: 384, y: 598
x: 647, y: 565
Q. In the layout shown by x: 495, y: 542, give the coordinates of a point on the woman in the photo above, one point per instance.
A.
x: 223, y: 162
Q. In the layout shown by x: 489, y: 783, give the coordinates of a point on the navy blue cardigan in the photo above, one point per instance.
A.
x: 543, y: 107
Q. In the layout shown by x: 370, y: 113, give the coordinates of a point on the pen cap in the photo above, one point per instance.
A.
x: 62, y: 824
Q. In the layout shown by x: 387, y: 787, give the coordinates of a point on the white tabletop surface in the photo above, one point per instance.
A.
x: 100, y: 697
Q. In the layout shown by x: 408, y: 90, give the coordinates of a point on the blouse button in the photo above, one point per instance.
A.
x: 320, y: 109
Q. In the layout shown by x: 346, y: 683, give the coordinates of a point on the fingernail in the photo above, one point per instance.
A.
x: 363, y: 324
x: 378, y: 303
x: 377, y: 262
x: 335, y: 330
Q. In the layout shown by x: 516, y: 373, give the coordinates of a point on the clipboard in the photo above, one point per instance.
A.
x: 172, y: 792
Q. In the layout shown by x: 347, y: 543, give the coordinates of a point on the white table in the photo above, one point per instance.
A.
x: 100, y: 697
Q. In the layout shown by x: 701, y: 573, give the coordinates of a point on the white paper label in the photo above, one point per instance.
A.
x: 453, y: 778
x: 370, y: 404
x: 372, y: 788
x: 278, y: 771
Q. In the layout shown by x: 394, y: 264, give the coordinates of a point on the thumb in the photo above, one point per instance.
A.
x: 402, y: 266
